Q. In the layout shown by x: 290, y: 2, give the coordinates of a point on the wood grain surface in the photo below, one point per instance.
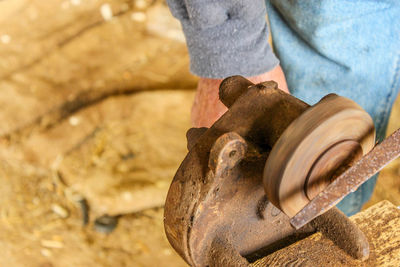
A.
x: 380, y: 223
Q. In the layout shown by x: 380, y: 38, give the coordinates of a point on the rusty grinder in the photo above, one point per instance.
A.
x: 303, y: 161
x: 267, y: 158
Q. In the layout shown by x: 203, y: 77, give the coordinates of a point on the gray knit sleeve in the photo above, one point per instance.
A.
x: 225, y: 37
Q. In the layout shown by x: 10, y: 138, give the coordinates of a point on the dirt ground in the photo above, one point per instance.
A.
x: 95, y: 101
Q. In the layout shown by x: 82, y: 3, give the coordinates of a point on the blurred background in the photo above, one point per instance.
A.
x: 95, y: 99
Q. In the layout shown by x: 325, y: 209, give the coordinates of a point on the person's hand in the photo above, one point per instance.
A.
x: 207, y: 108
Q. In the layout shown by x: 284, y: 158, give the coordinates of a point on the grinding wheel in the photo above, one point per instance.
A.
x: 326, y: 138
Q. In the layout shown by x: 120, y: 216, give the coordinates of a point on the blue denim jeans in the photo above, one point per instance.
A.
x: 347, y: 47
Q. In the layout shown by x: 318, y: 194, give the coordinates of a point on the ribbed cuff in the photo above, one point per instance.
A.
x: 233, y: 40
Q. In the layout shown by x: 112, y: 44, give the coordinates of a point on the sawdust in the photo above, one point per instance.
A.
x: 301, y: 255
x: 343, y: 234
x: 73, y: 83
x: 318, y: 250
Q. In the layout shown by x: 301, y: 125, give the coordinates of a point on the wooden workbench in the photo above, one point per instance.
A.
x: 381, y: 225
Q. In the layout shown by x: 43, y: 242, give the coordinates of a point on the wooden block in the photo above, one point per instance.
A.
x: 380, y: 223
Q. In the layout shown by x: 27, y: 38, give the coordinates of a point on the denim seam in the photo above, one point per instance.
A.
x: 306, y: 42
x: 393, y: 88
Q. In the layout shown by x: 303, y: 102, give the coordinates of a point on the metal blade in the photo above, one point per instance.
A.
x: 350, y: 180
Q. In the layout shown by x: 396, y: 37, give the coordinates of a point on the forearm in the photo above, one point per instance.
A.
x: 225, y: 38
x: 207, y: 107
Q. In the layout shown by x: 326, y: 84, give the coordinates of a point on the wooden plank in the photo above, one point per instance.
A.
x: 380, y: 223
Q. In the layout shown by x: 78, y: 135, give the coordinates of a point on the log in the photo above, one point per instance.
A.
x: 380, y: 223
